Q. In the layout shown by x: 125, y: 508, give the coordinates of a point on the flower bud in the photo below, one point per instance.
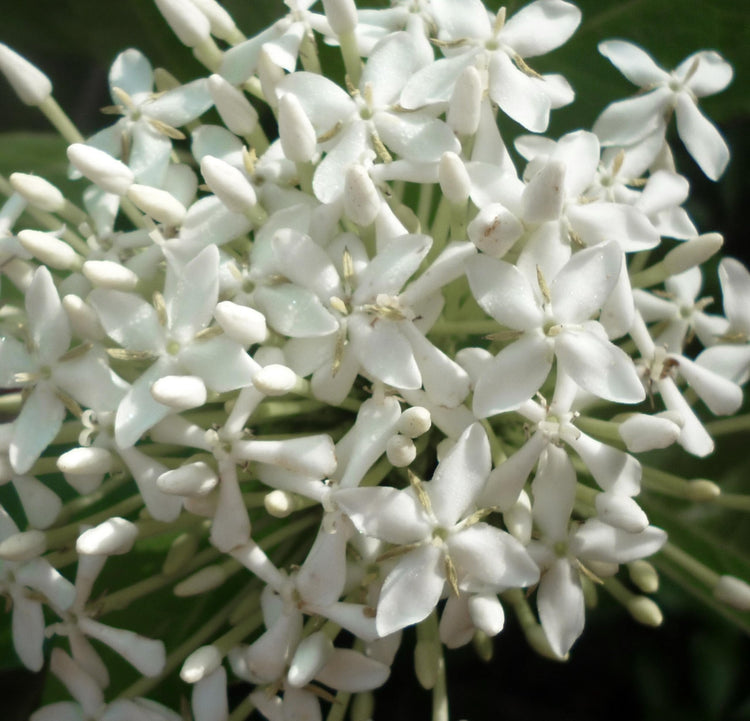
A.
x: 200, y: 663
x: 486, y: 613
x: 494, y: 230
x: 109, y: 274
x: 204, y: 580
x: 161, y: 205
x: 99, y: 167
x: 621, y: 512
x: 245, y: 325
x: 270, y: 75
x: 31, y: 85
x: 518, y: 520
x: 275, y: 380
x: 23, y: 546
x: 454, y: 179
x: 188, y: 23
x: 180, y: 552
x: 400, y: 450
x: 341, y: 15
x: 734, y: 592
x: 296, y: 132
x: 311, y: 655
x: 112, y: 538
x: 361, y: 198
x: 426, y: 663
x: 38, y: 191
x: 49, y: 249
x: 85, y: 461
x: 192, y: 479
x: 414, y: 422
x: 645, y: 611
x: 83, y: 319
x: 228, y: 184
x: 233, y: 106
x: 279, y: 504
x: 642, y: 432
x: 179, y: 392
x: 466, y: 102
x: 644, y: 575
x: 691, y: 253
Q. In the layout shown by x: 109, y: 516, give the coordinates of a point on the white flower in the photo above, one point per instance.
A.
x: 627, y: 121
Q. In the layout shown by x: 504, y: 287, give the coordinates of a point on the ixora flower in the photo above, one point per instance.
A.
x: 325, y: 367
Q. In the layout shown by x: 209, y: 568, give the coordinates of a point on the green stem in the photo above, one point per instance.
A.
x: 464, y: 327
x: 62, y: 123
x: 725, y: 426
x: 694, y: 567
x: 242, y: 711
x: 350, y: 54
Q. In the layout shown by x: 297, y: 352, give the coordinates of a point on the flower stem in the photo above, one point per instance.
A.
x: 725, y: 426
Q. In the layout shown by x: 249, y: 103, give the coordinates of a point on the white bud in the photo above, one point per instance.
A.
x: 701, y: 490
x: 83, y: 319
x: 204, y: 580
x: 245, y: 325
x: 400, y: 450
x: 518, y: 520
x: 466, y: 102
x: 85, y: 461
x: 188, y: 23
x: 23, y: 546
x: 30, y: 84
x: 112, y: 538
x: 200, y: 663
x: 233, y: 106
x: 734, y: 592
x: 645, y: 611
x: 296, y: 132
x: 414, y: 422
x: 181, y: 551
x: 691, y: 253
x: 222, y: 25
x: 341, y: 15
x: 109, y: 274
x: 494, y: 230
x: 99, y: 167
x: 228, y: 184
x: 38, y: 191
x: 279, y: 504
x: 49, y: 249
x: 270, y: 75
x: 179, y: 392
x: 361, y: 198
x: 644, y: 575
x: 192, y: 479
x: 486, y: 613
x: 275, y: 380
x: 311, y: 655
x: 454, y: 179
x: 621, y: 512
x: 161, y: 205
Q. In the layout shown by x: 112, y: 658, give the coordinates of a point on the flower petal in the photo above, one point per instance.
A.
x: 703, y: 141
x: 560, y: 604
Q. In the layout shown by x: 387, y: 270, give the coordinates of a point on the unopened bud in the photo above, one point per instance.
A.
x: 181, y: 551
x: 85, y: 461
x: 644, y: 575
x: 245, y: 325
x: 279, y: 504
x: 188, y: 23
x: 414, y: 422
x: 702, y: 490
x: 38, y: 191
x: 205, y: 580
x: 426, y: 664
x: 341, y: 15
x: 99, y: 167
x: 110, y: 275
x: 645, y: 611
x: 49, y: 249
x: 200, y: 663
x: 734, y: 592
x: 233, y: 106
x: 466, y: 102
x: 621, y: 512
x: 23, y: 546
x: 222, y: 25
x: 454, y: 179
x: 361, y: 198
x: 691, y: 253
x: 400, y: 450
x: 494, y: 230
x: 31, y: 85
x: 270, y: 75
x: 113, y: 537
x: 275, y: 380
x: 296, y: 132
x: 518, y: 519
x: 83, y: 319
x: 179, y: 392
x: 161, y: 205
x: 228, y: 184
x: 192, y: 479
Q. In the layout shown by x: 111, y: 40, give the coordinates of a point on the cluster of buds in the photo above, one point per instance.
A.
x: 377, y: 369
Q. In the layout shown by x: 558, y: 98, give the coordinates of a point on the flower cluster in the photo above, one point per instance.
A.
x: 372, y: 370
